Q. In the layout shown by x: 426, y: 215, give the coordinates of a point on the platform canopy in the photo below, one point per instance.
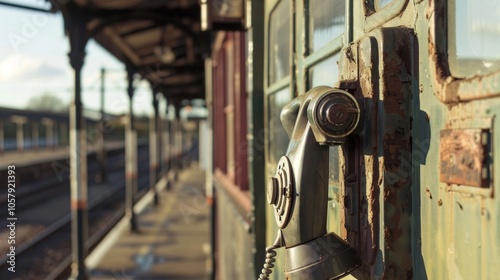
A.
x: 161, y: 39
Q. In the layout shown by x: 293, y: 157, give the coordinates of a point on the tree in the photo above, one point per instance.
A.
x: 47, y: 102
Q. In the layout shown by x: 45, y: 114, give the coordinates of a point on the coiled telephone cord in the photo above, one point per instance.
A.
x: 270, y: 254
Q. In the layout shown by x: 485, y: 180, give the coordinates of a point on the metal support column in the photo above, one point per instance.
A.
x: 131, y: 154
x: 64, y: 134
x: 50, y: 134
x: 176, y: 155
x: 159, y: 141
x: 209, y: 190
x: 153, y: 149
x: 20, y: 136
x: 2, y: 136
x: 167, y: 149
x: 55, y: 131
x: 78, y: 158
x: 76, y: 30
x: 35, y: 135
x: 179, y: 139
x: 101, y: 154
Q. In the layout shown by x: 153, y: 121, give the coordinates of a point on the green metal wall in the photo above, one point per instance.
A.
x: 234, y: 241
x: 412, y: 222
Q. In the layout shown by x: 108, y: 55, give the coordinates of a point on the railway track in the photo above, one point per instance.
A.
x: 47, y: 255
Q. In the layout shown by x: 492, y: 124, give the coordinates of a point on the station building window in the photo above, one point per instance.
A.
x: 279, y: 42
x: 279, y: 65
x: 278, y: 139
x: 326, y: 22
x: 325, y: 72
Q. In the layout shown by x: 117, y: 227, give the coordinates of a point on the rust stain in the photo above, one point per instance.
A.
x: 388, y: 237
x: 397, y: 83
x: 78, y: 204
x: 395, y: 87
x: 349, y: 53
x: 462, y: 157
x: 397, y: 158
x: 358, y: 66
x: 392, y: 231
x: 368, y: 9
x: 369, y: 213
x: 397, y: 232
x: 440, y: 202
x: 391, y: 196
x: 428, y: 192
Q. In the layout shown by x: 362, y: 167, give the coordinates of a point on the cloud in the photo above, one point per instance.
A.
x: 19, y: 67
x: 49, y: 71
x: 15, y: 66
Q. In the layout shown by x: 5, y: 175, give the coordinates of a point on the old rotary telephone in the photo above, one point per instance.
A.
x: 299, y: 191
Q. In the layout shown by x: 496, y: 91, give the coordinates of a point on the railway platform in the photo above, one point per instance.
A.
x: 173, y: 238
x: 32, y: 157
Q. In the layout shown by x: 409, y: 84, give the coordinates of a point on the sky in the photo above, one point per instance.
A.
x: 33, y: 61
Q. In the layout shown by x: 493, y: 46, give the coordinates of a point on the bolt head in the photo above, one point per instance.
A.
x: 337, y: 114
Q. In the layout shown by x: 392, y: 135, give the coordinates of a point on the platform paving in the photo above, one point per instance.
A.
x: 173, y: 238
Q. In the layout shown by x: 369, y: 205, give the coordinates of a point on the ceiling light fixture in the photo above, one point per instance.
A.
x: 165, y: 54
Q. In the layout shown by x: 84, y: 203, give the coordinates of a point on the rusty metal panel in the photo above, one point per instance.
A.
x: 370, y: 186
x: 398, y: 79
x: 377, y: 201
x: 463, y: 157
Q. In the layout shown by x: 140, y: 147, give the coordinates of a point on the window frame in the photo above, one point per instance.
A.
x: 452, y: 43
x: 451, y: 89
x: 298, y: 79
x: 376, y: 18
x: 311, y: 59
x: 278, y: 83
x: 269, y: 156
x: 285, y: 82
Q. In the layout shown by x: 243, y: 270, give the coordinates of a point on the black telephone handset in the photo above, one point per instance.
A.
x: 321, y: 117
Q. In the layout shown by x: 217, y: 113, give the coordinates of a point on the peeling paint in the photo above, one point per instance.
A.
x: 463, y: 157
